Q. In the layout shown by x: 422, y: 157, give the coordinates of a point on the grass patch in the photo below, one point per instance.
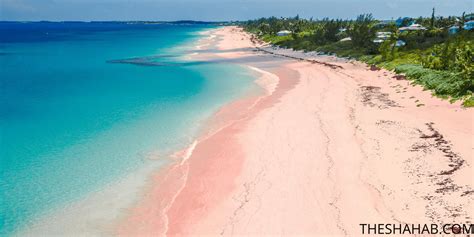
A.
x: 469, y: 102
x: 444, y: 84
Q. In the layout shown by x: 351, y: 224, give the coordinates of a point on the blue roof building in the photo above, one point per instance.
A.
x: 469, y: 25
x: 453, y: 30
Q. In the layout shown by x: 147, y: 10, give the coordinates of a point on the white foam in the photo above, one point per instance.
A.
x: 267, y: 80
x: 189, y: 152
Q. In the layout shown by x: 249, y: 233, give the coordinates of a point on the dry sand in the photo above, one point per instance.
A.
x: 330, y: 145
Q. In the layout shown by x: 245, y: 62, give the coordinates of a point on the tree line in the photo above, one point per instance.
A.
x: 434, y: 47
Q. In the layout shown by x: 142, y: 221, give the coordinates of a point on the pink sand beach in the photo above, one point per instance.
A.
x: 329, y: 144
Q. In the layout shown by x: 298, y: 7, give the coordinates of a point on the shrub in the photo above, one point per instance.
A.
x: 388, y: 50
x: 469, y: 102
x: 443, y: 83
x: 464, y: 56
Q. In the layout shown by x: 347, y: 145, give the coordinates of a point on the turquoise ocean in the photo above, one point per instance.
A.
x: 83, y: 104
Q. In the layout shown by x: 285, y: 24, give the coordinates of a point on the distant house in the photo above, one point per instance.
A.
x: 400, y: 43
x: 381, y: 37
x: 453, y: 30
x: 412, y: 27
x: 378, y: 41
x: 284, y: 33
x: 469, y: 17
x: 469, y: 25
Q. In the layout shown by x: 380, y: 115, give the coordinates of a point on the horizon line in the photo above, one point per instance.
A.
x: 225, y: 21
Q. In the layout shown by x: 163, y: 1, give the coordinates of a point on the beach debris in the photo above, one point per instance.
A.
x: 332, y: 66
x: 372, y: 96
x: 374, y: 68
x: 399, y: 77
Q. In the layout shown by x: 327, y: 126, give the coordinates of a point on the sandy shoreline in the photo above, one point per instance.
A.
x: 98, y: 213
x: 327, y: 145
x: 326, y: 149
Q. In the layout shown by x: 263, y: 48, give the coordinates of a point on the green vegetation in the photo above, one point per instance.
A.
x: 430, y: 56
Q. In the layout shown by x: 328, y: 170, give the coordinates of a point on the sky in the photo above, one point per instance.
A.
x: 221, y: 10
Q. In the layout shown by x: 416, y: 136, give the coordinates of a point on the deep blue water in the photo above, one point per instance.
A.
x: 71, y: 121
